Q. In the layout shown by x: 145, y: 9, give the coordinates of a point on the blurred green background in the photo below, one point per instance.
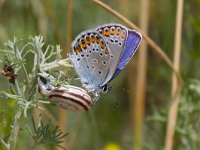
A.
x: 109, y: 122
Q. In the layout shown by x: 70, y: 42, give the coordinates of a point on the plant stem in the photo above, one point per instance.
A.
x: 69, y: 25
x: 172, y: 116
x: 14, y: 134
x: 139, y: 93
x: 25, y: 72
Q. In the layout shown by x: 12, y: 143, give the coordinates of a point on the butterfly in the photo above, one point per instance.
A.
x: 100, y: 54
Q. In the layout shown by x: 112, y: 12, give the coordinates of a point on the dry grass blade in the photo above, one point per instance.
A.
x: 172, y: 117
x: 63, y: 114
x: 69, y: 24
x: 139, y: 93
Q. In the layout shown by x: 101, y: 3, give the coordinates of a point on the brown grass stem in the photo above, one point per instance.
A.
x: 63, y: 114
x: 49, y: 115
x: 69, y: 25
x: 62, y: 123
x: 140, y: 88
x: 173, y: 111
x: 151, y: 43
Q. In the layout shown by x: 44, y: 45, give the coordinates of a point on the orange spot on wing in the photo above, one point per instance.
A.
x: 92, y: 39
x: 87, y: 42
x: 123, y: 34
x: 118, y: 32
x: 106, y: 33
x: 97, y: 40
x: 77, y: 49
x: 112, y: 32
x: 106, y: 51
x: 82, y: 45
x: 102, y: 45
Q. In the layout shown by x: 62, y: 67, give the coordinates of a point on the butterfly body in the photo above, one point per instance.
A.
x: 101, y: 53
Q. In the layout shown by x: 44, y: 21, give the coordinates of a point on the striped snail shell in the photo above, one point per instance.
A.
x: 68, y: 97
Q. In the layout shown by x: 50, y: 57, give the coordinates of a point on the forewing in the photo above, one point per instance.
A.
x: 115, y: 36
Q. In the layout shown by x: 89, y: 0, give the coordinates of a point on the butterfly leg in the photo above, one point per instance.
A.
x: 96, y: 98
x: 77, y: 79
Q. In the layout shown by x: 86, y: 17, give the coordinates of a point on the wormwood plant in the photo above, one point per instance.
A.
x: 22, y: 63
x: 188, y: 122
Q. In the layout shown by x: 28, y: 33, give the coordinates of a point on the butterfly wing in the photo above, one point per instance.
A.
x: 91, y: 59
x: 115, y: 37
x: 132, y: 43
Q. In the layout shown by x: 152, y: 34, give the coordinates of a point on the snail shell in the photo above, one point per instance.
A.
x: 68, y: 97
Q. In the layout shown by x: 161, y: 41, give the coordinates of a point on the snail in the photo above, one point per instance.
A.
x: 68, y: 97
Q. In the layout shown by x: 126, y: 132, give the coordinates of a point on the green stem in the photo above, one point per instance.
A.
x: 14, y: 134
x: 25, y: 72
x: 5, y: 144
x: 32, y: 91
x: 34, y: 146
x: 17, y: 88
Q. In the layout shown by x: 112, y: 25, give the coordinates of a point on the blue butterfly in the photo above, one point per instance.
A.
x: 100, y: 54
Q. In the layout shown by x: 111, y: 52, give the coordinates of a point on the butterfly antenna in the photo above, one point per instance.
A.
x: 96, y: 98
x: 116, y: 101
x: 123, y: 89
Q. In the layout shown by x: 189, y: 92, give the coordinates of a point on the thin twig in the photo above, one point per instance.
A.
x: 175, y: 103
x: 151, y: 43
